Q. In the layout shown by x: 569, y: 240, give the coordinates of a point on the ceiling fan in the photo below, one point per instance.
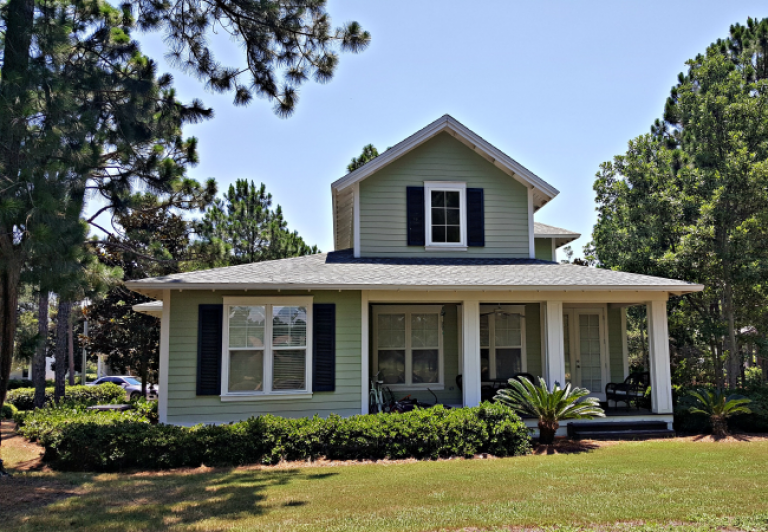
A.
x: 498, y: 311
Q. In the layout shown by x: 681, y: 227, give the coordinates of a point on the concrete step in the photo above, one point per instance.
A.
x: 619, y: 430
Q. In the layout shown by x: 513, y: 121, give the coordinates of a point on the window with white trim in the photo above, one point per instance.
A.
x: 502, y: 341
x: 446, y: 214
x: 408, y: 346
x: 267, y: 346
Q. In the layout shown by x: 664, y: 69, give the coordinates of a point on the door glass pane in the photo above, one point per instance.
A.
x: 508, y: 362
x: 289, y: 326
x: 392, y: 366
x: 391, y: 331
x: 425, y: 366
x: 246, y: 371
x: 289, y: 369
x: 246, y: 326
x: 589, y: 352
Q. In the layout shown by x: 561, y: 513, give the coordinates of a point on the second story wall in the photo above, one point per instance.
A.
x: 383, y: 220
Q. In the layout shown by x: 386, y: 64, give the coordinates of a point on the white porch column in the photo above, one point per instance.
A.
x: 364, y: 353
x: 165, y: 353
x: 470, y: 327
x: 658, y: 343
x: 554, y: 353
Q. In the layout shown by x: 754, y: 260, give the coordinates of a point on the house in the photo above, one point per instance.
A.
x: 441, y: 282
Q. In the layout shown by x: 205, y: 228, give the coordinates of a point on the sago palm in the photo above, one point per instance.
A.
x: 550, y: 407
x: 719, y: 408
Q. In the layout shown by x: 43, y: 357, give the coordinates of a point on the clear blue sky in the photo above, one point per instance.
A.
x: 560, y: 86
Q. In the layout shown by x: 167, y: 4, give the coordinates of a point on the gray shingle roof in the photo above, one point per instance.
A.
x: 544, y: 229
x: 339, y: 269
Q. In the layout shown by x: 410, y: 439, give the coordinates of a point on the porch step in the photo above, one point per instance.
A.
x: 615, y: 430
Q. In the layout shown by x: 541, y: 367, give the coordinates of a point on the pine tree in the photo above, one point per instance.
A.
x: 369, y: 153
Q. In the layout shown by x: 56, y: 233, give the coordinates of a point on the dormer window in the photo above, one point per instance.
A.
x: 445, y: 213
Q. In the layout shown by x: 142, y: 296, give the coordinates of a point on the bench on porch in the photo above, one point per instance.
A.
x: 632, y: 390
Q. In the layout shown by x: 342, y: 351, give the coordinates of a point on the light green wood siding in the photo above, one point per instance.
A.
x: 615, y: 345
x: 184, y: 407
x: 543, y: 248
x: 383, y: 225
x: 533, y: 338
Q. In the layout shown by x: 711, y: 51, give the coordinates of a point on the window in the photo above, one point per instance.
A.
x: 267, y: 346
x: 445, y: 207
x: 502, y: 342
x: 408, y: 346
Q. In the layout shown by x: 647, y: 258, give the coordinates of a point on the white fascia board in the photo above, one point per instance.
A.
x: 572, y: 236
x: 674, y: 289
x: 447, y: 123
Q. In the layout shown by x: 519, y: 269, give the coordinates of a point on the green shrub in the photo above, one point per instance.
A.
x: 14, y: 384
x: 75, y: 396
x: 757, y: 421
x: 8, y: 411
x: 108, y: 441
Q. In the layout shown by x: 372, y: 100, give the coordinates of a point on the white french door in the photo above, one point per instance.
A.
x: 586, y: 353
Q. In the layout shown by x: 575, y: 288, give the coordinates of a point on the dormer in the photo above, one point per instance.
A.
x: 444, y: 191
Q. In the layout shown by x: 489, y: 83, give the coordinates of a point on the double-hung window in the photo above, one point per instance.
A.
x: 408, y: 346
x: 502, y: 341
x: 446, y: 214
x: 267, y: 346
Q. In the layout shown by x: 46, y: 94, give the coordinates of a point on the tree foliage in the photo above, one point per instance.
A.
x: 368, y: 154
x: 242, y: 227
x: 690, y: 200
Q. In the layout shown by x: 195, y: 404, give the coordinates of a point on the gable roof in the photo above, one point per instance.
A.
x: 342, y: 190
x: 561, y: 236
x: 340, y: 270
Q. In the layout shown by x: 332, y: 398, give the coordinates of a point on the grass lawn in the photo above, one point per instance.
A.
x: 667, y: 483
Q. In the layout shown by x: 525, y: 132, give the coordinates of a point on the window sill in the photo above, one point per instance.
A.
x: 445, y: 248
x: 419, y: 387
x: 232, y: 398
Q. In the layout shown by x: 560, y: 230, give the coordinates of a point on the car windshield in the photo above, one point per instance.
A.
x: 131, y: 380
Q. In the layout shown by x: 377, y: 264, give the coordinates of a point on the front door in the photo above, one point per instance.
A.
x: 586, y: 363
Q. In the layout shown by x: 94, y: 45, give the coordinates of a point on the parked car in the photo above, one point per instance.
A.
x: 132, y: 386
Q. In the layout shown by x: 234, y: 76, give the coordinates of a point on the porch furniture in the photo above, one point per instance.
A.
x: 489, y: 387
x: 632, y: 390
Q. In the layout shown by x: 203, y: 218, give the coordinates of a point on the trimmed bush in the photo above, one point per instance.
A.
x: 8, y: 411
x: 76, y: 396
x: 98, y: 441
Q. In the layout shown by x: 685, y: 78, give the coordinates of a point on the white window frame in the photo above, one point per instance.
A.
x: 267, y: 393
x: 512, y: 309
x: 448, y: 186
x: 408, y: 310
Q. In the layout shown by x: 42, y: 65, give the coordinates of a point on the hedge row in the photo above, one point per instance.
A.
x: 98, y: 442
x: 24, y: 398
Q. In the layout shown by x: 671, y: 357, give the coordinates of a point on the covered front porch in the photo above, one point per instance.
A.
x: 457, y: 347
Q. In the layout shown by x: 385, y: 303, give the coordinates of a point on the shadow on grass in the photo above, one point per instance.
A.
x: 565, y: 447
x: 148, y: 501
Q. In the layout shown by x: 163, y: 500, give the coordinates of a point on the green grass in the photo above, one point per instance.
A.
x: 680, y: 485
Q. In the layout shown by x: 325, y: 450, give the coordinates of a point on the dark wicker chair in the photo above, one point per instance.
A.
x: 632, y: 390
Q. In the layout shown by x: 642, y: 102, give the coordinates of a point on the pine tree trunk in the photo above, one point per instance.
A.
x: 38, y: 363
x: 732, y: 360
x: 70, y: 352
x: 65, y: 309
x: 14, y: 79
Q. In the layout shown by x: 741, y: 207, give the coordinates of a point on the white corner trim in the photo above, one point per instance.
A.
x: 531, y: 242
x: 554, y: 251
x: 165, y: 344
x: 356, y: 223
x: 233, y: 398
x: 624, y: 347
x: 364, y: 354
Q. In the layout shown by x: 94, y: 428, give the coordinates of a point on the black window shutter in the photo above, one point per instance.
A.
x: 415, y: 213
x: 323, y: 347
x: 209, y: 328
x: 475, y: 218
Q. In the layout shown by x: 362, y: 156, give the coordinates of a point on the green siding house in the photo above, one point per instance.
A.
x: 441, y: 285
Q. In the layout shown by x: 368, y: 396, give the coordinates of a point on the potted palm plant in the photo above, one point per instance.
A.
x: 550, y: 407
x: 719, y: 407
